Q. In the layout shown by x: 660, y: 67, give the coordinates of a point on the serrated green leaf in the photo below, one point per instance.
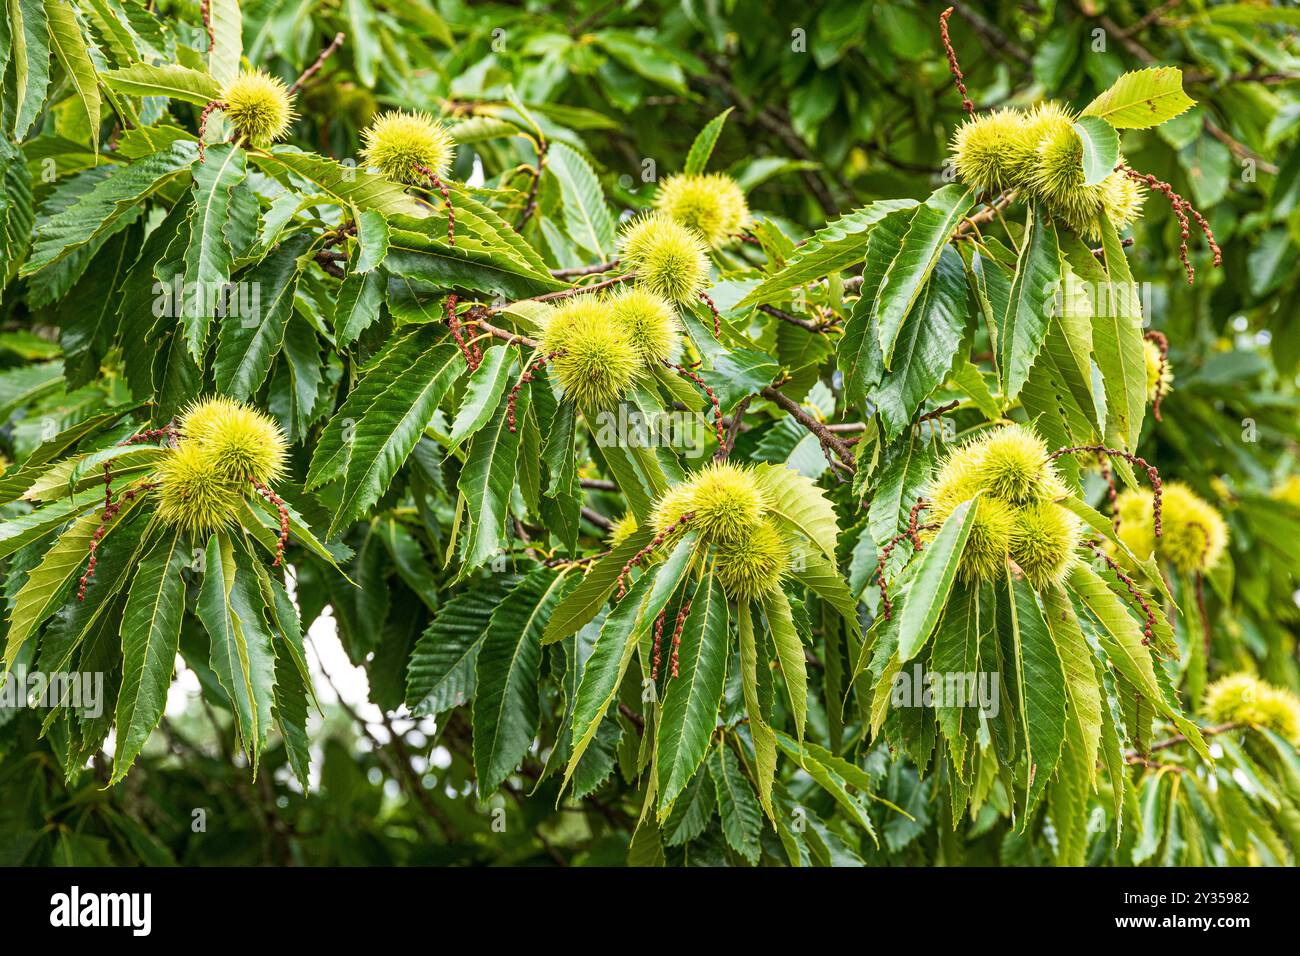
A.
x: 384, y: 437
x: 249, y: 343
x: 925, y: 599
x: 832, y: 248
x: 742, y: 821
x: 69, y: 45
x: 797, y: 502
x: 207, y: 254
x: 151, y: 634
x: 1037, y: 280
x: 50, y: 581
x: 910, y: 270
x: 441, y: 672
x: 586, y: 216
x: 1100, y: 148
x: 790, y: 655
x: 91, y: 215
x: 697, y: 158
x: 690, y: 711
x: 168, y: 79
x: 1141, y: 99
x: 1041, y: 689
x: 506, y: 709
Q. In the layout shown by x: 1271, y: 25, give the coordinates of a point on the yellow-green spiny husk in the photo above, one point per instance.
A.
x: 596, y: 361
x: 752, y: 563
x: 259, y: 106
x: 224, y: 447
x: 403, y: 145
x: 1245, y: 699
x: 650, y: 321
x: 713, y: 204
x: 667, y: 257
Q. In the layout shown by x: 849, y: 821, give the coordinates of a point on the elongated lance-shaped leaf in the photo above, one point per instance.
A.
x: 483, y: 394
x: 690, y: 711
x: 228, y: 45
x: 928, y: 594
x: 50, y: 581
x: 797, y: 502
x: 233, y: 610
x: 69, y: 45
x: 1041, y: 684
x: 584, y: 601
x: 21, y: 531
x: 1037, y: 281
x: 249, y: 343
x: 833, y: 248
x: 30, y: 36
x: 1117, y: 340
x: 506, y: 709
x: 1141, y: 99
x: 829, y: 778
x: 631, y: 617
x: 929, y: 232
x: 487, y: 480
x: 92, y: 214
x: 349, y: 185
x: 169, y: 79
x: 151, y: 636
x: 956, y: 652
x: 819, y: 576
x: 697, y: 159
x: 759, y: 728
x: 357, y: 306
x: 1121, y: 636
x: 1080, y: 673
x: 207, y: 255
x: 789, y: 653
x: 380, y: 375
x: 586, y: 216
x: 742, y: 821
x: 924, y: 349
x: 384, y: 438
x: 858, y: 354
x: 441, y: 673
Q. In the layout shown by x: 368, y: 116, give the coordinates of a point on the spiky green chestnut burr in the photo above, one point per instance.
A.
x: 1012, y: 465
x: 407, y: 147
x: 668, y: 258
x: 1044, y: 539
x: 595, y: 361
x: 1245, y: 699
x: 753, y: 563
x: 713, y: 204
x: 259, y: 106
x: 622, y: 529
x: 243, y: 443
x: 984, y: 149
x: 650, y: 322
x: 193, y: 494
x: 1194, y: 533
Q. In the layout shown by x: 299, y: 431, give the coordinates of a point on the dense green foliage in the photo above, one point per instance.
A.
x: 656, y: 574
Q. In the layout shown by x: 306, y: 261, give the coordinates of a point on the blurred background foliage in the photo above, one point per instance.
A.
x: 835, y: 104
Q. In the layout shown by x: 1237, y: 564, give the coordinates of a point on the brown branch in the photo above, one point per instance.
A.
x: 733, y: 429
x: 580, y: 271
x: 1132, y: 756
x: 312, y: 70
x: 808, y: 324
x: 829, y: 441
